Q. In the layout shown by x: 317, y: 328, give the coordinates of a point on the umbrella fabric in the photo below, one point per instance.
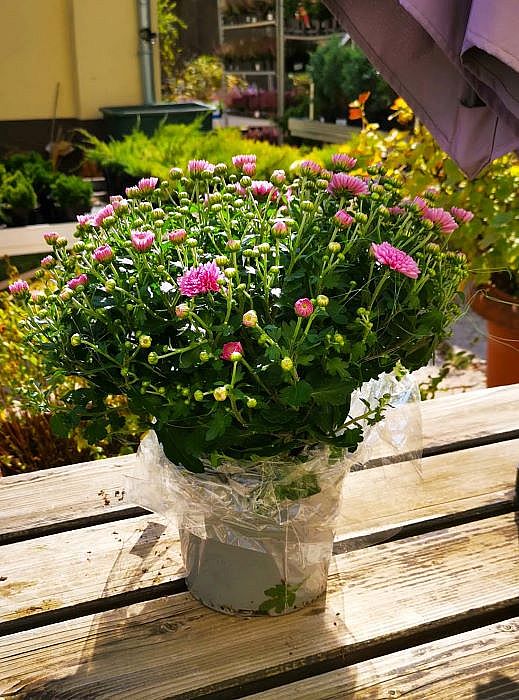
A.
x: 456, y: 62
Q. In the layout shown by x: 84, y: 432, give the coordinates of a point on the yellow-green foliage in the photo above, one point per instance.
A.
x: 490, y: 240
x: 19, y: 366
x: 175, y: 144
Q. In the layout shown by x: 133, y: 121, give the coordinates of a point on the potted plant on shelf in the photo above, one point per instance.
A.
x: 17, y: 198
x: 236, y: 317
x: 71, y: 195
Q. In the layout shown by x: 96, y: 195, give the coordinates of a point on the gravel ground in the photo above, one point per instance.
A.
x: 469, y: 335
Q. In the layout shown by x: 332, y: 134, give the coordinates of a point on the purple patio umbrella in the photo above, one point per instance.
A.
x: 456, y: 62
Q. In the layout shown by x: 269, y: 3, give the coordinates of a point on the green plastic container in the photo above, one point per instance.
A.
x: 120, y: 121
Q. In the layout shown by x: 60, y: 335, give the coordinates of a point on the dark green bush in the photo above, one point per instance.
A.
x: 70, y: 192
x: 17, y: 197
x: 340, y: 74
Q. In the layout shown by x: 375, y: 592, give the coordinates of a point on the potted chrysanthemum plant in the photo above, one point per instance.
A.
x: 236, y: 318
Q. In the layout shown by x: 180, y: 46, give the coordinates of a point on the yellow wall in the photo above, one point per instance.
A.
x: 89, y: 47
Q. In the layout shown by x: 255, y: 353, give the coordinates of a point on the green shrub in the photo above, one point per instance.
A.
x: 70, y: 192
x: 340, y: 73
x: 17, y: 196
x: 174, y: 144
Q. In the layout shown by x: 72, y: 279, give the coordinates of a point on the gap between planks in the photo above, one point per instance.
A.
x: 439, y: 584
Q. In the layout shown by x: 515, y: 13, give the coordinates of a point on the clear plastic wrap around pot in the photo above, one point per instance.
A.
x: 257, y: 537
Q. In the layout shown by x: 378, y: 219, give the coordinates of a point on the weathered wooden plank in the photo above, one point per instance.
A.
x: 95, y: 562
x: 482, y: 663
x: 473, y: 416
x: 117, y: 557
x: 384, y: 499
x: 320, y: 131
x: 176, y: 648
x: 63, y: 494
x: 377, y: 500
x: 92, y: 490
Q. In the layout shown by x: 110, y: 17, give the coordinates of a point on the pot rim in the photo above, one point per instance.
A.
x: 495, y: 306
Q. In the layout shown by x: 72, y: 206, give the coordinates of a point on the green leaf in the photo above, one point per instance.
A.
x: 96, y: 431
x: 296, y: 395
x: 174, y: 443
x: 335, y: 395
x: 217, y: 425
x: 336, y: 366
x: 64, y: 422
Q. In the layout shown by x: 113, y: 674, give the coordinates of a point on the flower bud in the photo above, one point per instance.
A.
x: 245, y: 181
x: 145, y: 341
x: 61, y: 242
x: 233, y: 245
x: 175, y: 173
x: 334, y: 247
x: 204, y: 356
x: 108, y: 221
x: 279, y: 228
x: 304, y: 307
x: 192, y: 242
x: 220, y: 169
x: 264, y: 248
x: 198, y: 395
x: 230, y: 272
x: 337, y: 338
x: 153, y: 358
x: 235, y: 356
x: 75, y: 340
x: 322, y: 301
x: 286, y: 364
x: 110, y: 285
x: 250, y: 319
x: 221, y: 260
x: 220, y: 393
x: 181, y: 311
x: 251, y: 403
x: 307, y: 205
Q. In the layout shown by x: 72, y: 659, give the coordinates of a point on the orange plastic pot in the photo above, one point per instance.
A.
x: 501, y: 312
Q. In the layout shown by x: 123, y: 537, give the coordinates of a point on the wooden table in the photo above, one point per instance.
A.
x: 93, y: 603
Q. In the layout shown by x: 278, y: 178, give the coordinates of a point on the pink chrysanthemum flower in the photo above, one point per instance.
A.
x: 142, y: 240
x: 50, y: 237
x: 200, y: 280
x: 396, y: 259
x: 244, y: 159
x: 47, y: 261
x: 103, y: 254
x: 103, y: 214
x: 249, y: 169
x: 261, y: 189
x: 309, y: 168
x: 420, y: 203
x: 132, y: 192
x: 342, y: 161
x: 462, y: 216
x: 118, y: 202
x: 279, y: 228
x: 304, y: 307
x: 343, y: 218
x: 198, y: 166
x: 18, y: 287
x: 230, y: 348
x: 84, y: 219
x: 147, y: 184
x: 441, y: 219
x: 341, y: 184
x: 75, y: 282
x: 396, y: 210
x: 177, y: 236
x: 278, y: 177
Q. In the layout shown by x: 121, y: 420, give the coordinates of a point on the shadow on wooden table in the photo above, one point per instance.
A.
x: 173, y: 646
x: 499, y: 687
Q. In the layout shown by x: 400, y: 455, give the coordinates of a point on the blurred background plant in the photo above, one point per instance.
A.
x: 341, y: 72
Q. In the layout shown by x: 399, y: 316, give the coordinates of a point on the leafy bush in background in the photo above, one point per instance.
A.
x: 174, y: 144
x: 71, y: 193
x: 340, y: 73
x: 17, y: 198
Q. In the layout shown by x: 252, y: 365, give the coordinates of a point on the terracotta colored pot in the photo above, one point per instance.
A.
x: 501, y: 312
